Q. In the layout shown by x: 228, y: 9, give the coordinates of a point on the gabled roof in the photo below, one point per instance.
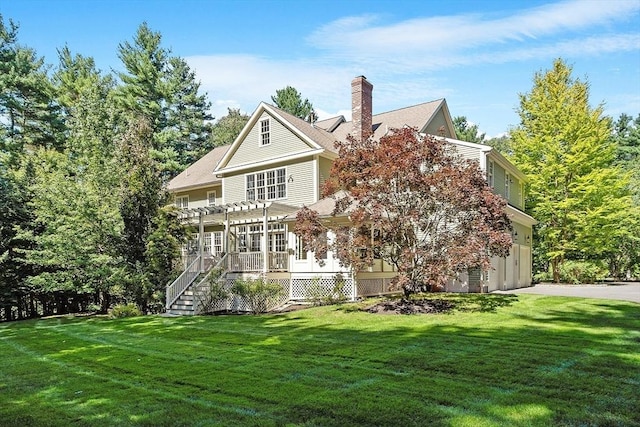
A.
x: 418, y: 116
x: 318, y: 140
x: 200, y: 173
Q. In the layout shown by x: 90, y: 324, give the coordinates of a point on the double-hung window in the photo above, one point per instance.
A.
x: 268, y: 185
x: 490, y: 173
x: 265, y: 132
x: 182, y: 202
x: 211, y: 198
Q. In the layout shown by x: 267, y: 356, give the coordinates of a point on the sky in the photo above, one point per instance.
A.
x: 478, y: 54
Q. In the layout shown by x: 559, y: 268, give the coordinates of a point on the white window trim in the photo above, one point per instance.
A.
x: 182, y: 199
x: 266, y: 192
x: 261, y: 133
x: 215, y: 198
x: 491, y: 170
x: 507, y: 186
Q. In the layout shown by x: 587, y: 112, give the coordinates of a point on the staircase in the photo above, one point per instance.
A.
x: 185, y: 292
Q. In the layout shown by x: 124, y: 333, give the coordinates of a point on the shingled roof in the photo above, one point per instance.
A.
x: 200, y: 173
x: 417, y: 116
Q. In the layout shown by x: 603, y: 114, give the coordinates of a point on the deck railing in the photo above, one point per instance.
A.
x: 254, y: 261
x: 175, y: 289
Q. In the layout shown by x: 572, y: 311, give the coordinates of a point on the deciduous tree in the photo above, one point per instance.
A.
x: 563, y: 145
x: 411, y: 201
x: 466, y: 131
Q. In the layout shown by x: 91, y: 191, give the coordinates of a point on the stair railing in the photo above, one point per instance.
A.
x: 197, y: 297
x: 175, y: 289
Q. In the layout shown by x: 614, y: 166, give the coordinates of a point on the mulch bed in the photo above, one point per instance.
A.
x: 401, y: 306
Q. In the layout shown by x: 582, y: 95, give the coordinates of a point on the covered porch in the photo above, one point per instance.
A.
x: 244, y: 236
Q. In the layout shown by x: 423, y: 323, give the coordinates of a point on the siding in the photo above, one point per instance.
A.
x: 283, y: 142
x: 436, y: 123
x: 198, y: 197
x: 523, y: 231
x: 468, y: 153
x: 299, y: 192
x: 324, y: 171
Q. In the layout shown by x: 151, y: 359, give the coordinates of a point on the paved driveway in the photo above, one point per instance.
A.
x: 629, y: 291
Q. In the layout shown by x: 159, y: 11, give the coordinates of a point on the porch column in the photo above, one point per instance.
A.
x: 225, y: 233
x: 265, y: 240
x: 201, y: 241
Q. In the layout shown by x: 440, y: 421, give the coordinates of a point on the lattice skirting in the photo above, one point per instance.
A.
x: 235, y: 303
x: 308, y: 287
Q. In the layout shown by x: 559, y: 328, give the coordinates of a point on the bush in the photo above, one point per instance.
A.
x: 578, y: 272
x: 318, y: 295
x: 214, y: 293
x: 124, y: 310
x: 257, y: 293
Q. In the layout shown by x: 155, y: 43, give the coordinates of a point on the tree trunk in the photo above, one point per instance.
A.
x: 555, y: 269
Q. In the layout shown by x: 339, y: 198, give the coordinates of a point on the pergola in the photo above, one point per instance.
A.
x: 235, y: 214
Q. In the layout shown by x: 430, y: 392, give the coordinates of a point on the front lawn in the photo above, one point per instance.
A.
x: 504, y: 360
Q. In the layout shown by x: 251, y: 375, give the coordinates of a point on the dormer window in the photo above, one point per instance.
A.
x: 265, y: 132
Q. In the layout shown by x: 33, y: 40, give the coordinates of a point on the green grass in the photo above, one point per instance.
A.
x: 501, y: 360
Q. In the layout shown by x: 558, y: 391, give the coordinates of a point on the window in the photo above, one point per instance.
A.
x: 211, y: 198
x: 255, y: 238
x: 277, y: 238
x: 522, y: 195
x: 265, y: 134
x: 507, y: 186
x: 301, y: 253
x: 182, y: 202
x: 269, y: 185
x: 490, y: 173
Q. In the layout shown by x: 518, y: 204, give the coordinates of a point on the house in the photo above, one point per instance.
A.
x: 242, y: 199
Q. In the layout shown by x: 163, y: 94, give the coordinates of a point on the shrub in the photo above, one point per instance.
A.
x: 257, y: 293
x: 318, y: 295
x: 577, y: 272
x: 124, y: 310
x: 214, y: 292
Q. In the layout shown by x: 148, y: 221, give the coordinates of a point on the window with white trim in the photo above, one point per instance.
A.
x: 211, y: 198
x: 490, y: 173
x: 507, y: 186
x: 268, y: 185
x: 182, y: 202
x: 301, y: 253
x: 265, y: 132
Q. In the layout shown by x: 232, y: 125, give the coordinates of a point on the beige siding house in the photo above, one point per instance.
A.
x: 242, y: 200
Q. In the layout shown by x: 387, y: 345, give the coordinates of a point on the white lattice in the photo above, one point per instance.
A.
x: 235, y: 303
x: 309, y: 288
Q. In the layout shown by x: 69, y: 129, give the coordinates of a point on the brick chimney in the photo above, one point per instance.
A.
x: 361, y: 108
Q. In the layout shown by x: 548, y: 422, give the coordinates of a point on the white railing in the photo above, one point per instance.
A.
x: 278, y: 261
x: 253, y: 261
x: 175, y: 289
x: 201, y: 290
x: 245, y: 261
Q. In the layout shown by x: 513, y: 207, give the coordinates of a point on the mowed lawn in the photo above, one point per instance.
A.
x: 499, y: 360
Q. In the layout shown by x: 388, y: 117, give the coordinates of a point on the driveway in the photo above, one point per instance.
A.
x: 628, y: 291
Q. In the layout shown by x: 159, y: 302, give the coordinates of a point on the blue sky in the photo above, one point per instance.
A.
x: 479, y: 55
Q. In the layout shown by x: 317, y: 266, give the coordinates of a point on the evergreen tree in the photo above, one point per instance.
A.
x: 290, y: 100
x: 465, y: 131
x: 562, y: 144
x: 164, y: 91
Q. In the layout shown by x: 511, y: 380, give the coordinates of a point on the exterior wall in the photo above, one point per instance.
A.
x: 324, y: 169
x: 299, y: 191
x: 436, y: 123
x: 310, y: 265
x: 499, y: 186
x: 283, y: 142
x: 468, y: 152
x: 198, y: 197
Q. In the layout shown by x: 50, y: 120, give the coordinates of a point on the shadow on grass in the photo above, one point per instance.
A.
x: 328, y: 367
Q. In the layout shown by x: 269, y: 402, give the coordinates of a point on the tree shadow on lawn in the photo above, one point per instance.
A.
x: 328, y: 367
x: 436, y: 303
